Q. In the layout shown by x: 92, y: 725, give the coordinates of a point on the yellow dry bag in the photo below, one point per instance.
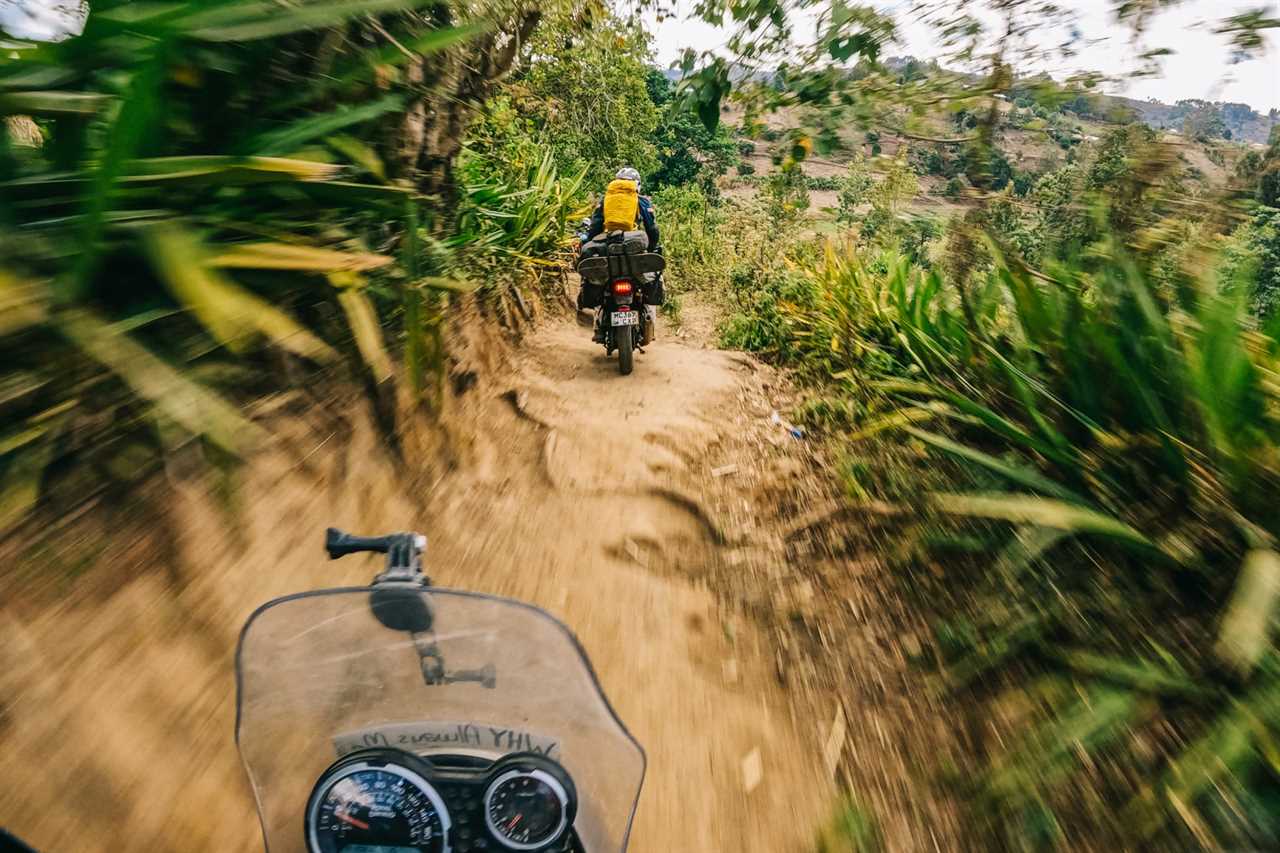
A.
x: 621, y: 206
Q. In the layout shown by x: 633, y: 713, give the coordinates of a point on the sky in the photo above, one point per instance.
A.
x: 1200, y: 67
x: 41, y: 19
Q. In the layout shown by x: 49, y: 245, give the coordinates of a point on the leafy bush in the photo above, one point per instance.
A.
x: 758, y: 324
x: 933, y: 162
x: 561, y: 95
x: 687, y: 151
x: 822, y: 183
x: 691, y: 238
x: 1252, y: 257
x: 855, y: 187
x: 785, y: 195
x: 746, y: 169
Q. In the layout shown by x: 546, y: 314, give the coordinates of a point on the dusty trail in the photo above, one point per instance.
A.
x: 558, y: 481
x: 590, y: 501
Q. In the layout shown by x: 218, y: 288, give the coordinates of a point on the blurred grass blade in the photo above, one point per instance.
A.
x: 228, y: 311
x: 346, y: 193
x: 192, y: 171
x: 287, y: 139
x: 1247, y: 625
x: 901, y: 419
x: 218, y: 164
x: 1136, y: 674
x: 23, y: 475
x: 133, y: 123
x: 286, y: 256
x: 1029, y: 509
x: 1049, y: 753
x: 1023, y: 476
x: 997, y: 650
x: 186, y: 403
x: 358, y: 153
x: 21, y: 305
x: 52, y: 104
x: 452, y: 285
x: 254, y: 20
x: 367, y: 332
x: 35, y: 76
x: 426, y: 44
x: 1028, y: 544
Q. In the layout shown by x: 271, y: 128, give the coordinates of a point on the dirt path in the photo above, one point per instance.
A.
x: 587, y: 492
x: 640, y: 509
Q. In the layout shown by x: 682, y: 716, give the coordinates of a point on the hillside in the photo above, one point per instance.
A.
x: 1242, y: 122
x: 1032, y: 142
x: 1211, y: 119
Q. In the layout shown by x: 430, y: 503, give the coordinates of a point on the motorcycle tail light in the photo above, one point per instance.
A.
x: 622, y: 287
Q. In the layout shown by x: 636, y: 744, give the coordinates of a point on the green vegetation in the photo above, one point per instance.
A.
x: 1073, y: 382
x: 852, y: 830
x: 1103, y: 399
x: 557, y: 103
x: 164, y: 228
x: 179, y: 241
x: 687, y: 151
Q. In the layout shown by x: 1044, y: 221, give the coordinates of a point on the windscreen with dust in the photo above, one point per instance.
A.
x: 320, y: 677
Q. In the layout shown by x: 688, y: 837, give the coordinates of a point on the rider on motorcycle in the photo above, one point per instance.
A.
x: 641, y: 217
x: 644, y: 212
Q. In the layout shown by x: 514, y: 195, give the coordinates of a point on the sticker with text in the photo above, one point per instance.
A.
x: 442, y: 737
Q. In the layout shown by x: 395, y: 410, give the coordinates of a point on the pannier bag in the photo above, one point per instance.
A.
x: 621, y: 205
x: 628, y: 242
x: 654, y: 290
x: 635, y: 242
x: 596, y: 248
x: 590, y: 295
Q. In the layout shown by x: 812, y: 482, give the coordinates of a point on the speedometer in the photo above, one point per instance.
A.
x: 368, y: 805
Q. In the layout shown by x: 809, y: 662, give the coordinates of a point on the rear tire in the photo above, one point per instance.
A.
x: 623, y: 336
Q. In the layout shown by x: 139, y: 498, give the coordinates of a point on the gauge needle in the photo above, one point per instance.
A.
x: 354, y: 821
x: 514, y: 821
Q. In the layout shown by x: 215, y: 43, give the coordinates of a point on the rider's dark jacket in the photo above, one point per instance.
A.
x: 647, y: 220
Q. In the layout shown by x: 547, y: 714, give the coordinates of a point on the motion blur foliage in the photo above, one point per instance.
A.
x: 1124, y: 574
x: 221, y: 199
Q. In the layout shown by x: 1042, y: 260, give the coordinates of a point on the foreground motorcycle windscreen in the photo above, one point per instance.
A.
x: 319, y: 677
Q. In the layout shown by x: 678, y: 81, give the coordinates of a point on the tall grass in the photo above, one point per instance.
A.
x: 1122, y: 440
x: 204, y: 212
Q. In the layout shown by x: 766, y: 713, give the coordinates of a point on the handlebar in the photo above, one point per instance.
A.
x: 339, y: 543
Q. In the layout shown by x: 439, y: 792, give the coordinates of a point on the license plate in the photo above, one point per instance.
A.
x: 626, y: 318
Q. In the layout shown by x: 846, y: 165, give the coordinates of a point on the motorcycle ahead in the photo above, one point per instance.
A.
x: 621, y: 265
x: 403, y: 718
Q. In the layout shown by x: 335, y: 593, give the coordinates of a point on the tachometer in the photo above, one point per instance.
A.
x: 369, y: 805
x: 529, y: 804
